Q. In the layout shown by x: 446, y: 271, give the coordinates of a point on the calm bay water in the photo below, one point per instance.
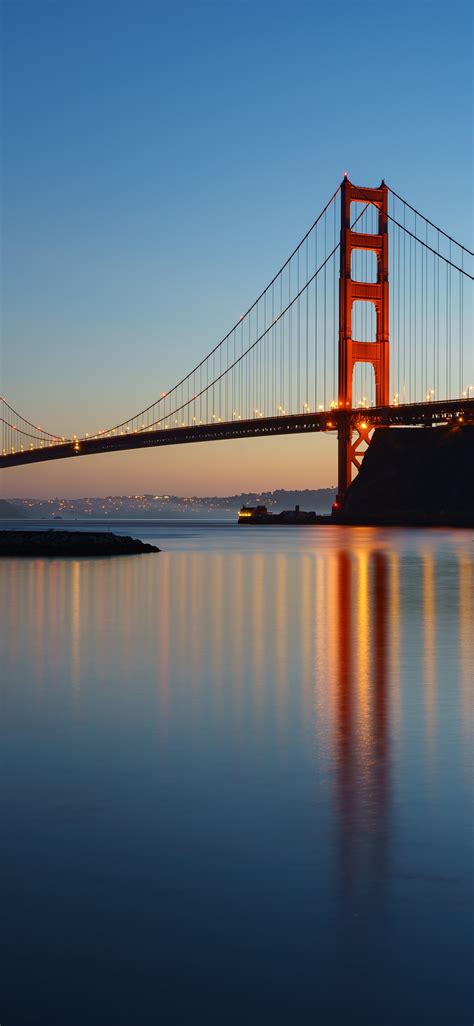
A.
x: 236, y: 780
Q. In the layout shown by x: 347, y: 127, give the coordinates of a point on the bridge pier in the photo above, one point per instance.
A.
x: 353, y: 351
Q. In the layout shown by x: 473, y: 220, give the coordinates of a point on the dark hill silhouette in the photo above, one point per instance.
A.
x: 10, y: 512
x: 415, y: 475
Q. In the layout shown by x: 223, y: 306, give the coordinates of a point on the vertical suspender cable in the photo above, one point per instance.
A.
x: 324, y: 301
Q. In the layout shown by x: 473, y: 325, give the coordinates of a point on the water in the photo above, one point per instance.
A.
x: 236, y: 780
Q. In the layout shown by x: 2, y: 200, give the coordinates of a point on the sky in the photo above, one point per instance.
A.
x: 160, y: 162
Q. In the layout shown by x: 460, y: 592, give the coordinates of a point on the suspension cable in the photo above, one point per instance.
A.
x: 19, y: 416
x: 435, y: 226
x: 425, y: 244
x: 286, y: 264
x: 251, y: 347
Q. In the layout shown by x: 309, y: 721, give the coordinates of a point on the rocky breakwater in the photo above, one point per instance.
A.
x: 70, y: 543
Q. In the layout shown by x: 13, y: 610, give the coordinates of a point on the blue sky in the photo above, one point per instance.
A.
x: 161, y: 160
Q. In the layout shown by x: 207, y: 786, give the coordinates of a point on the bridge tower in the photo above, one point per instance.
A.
x: 352, y: 351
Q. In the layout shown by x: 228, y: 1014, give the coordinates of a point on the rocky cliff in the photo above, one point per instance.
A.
x: 415, y: 475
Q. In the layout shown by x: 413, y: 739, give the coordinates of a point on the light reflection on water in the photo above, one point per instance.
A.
x: 274, y: 726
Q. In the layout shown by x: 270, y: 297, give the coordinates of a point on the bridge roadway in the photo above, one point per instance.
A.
x: 423, y: 414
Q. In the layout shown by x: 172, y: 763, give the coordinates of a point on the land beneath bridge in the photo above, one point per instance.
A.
x: 415, y: 477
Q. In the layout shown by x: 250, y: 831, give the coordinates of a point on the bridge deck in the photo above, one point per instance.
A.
x: 427, y: 414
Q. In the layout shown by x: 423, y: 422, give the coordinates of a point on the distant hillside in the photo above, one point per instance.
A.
x: 10, y: 512
x: 163, y: 505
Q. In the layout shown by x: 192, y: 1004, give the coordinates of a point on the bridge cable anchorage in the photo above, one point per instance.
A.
x: 439, y: 230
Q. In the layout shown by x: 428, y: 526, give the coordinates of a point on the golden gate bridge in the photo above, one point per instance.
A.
x: 367, y: 324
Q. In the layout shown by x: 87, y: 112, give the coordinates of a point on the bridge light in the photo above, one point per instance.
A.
x: 363, y: 425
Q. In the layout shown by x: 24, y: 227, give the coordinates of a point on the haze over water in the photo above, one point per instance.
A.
x: 237, y: 780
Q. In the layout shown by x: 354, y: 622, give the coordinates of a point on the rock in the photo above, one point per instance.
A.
x: 70, y: 543
x: 416, y: 476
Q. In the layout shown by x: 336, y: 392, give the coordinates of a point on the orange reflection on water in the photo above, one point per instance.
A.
x: 307, y: 633
x: 363, y: 641
x: 362, y: 779
x: 281, y: 639
x: 429, y: 642
x: 270, y: 637
x: 76, y: 569
x: 259, y: 605
x: 237, y: 645
x: 466, y: 637
x: 395, y: 640
x: 160, y: 618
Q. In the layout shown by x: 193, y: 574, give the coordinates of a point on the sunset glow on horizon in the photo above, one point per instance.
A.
x: 135, y: 236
